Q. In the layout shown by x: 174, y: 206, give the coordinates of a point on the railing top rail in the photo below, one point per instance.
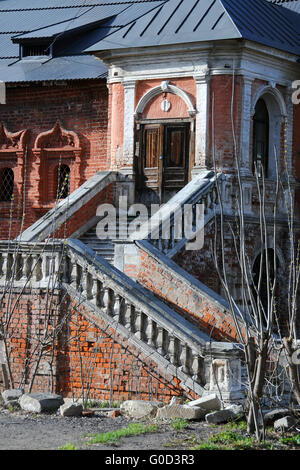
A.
x: 140, y: 296
x: 50, y: 222
x: 190, y: 194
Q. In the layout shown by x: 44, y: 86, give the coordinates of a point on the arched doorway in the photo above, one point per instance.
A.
x: 164, y: 129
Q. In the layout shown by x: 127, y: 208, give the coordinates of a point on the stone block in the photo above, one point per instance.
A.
x: 219, y: 417
x: 284, y: 424
x: 71, y: 409
x: 138, y: 409
x: 40, y: 402
x: 180, y: 411
x: 238, y: 410
x: 208, y: 403
x: 271, y: 416
x: 11, y: 396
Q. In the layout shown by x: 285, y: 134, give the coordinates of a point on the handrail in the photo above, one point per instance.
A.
x: 200, y: 191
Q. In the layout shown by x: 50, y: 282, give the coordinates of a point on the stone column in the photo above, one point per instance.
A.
x: 127, y: 169
x: 202, y: 121
x: 245, y: 157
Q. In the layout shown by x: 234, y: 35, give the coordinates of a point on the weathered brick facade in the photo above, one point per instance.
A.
x: 81, y: 107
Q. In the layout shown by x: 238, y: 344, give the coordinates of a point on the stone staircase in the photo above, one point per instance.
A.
x: 89, y: 276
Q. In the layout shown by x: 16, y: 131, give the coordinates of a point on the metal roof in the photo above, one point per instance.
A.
x: 293, y: 5
x: 58, y: 20
x: 186, y: 21
x: 62, y: 68
x: 79, y: 28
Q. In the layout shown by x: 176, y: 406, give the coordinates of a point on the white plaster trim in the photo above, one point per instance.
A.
x: 271, y: 90
x: 164, y: 87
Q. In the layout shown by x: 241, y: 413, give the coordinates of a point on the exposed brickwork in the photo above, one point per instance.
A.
x: 221, y: 91
x: 81, y: 106
x: 85, y: 213
x: 190, y: 302
x: 88, y: 353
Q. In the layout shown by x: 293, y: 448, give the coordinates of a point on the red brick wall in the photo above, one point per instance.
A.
x: 82, y: 107
x: 221, y: 90
x: 87, y: 353
x: 86, y: 212
x: 187, y: 300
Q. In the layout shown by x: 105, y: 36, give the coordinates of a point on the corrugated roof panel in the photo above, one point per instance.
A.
x: 184, y: 21
x: 293, y: 5
x: 7, y: 47
x: 61, y: 68
x: 90, y: 16
x: 34, y: 19
x: 80, y: 43
x: 263, y: 22
x: 179, y: 21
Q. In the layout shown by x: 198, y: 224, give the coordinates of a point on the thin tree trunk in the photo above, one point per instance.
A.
x: 293, y: 369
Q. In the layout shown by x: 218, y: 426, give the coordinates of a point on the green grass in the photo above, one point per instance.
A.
x: 68, y: 446
x: 102, y: 404
x: 134, y: 429
x: 294, y: 440
x: 178, y: 424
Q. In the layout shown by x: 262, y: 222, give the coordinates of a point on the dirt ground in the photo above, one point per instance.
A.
x: 25, y: 431
x: 20, y: 430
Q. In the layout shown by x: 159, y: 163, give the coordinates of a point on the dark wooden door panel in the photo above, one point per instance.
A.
x: 164, y: 158
x: 176, y: 156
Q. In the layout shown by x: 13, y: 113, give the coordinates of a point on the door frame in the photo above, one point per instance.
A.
x: 138, y: 126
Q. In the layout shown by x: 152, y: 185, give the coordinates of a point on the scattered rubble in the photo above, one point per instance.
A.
x: 139, y: 409
x: 284, y: 424
x: 180, y: 411
x: 71, y: 409
x: 40, y: 402
x: 12, y: 396
x: 271, y: 416
x: 219, y: 417
x: 208, y: 403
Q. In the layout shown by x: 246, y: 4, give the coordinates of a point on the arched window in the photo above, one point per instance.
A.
x: 63, y: 182
x: 6, y: 184
x: 261, y: 139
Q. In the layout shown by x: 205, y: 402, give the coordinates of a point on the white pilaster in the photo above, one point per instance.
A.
x: 129, y: 109
x: 245, y: 160
x: 202, y: 121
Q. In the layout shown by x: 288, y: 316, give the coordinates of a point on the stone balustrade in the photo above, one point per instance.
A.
x: 174, y: 343
x: 185, y: 215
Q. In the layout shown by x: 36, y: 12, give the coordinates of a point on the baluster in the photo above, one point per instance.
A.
x: 184, y: 359
x: 117, y: 307
x: 106, y: 300
x: 74, y: 273
x: 22, y: 267
x: 160, y: 340
x: 44, y: 267
x: 94, y: 290
x: 5, y: 267
x: 128, y: 316
x: 138, y: 323
x: 83, y: 283
x: 171, y: 350
x: 35, y: 268
x: 150, y: 332
x: 89, y: 282
x: 196, y: 366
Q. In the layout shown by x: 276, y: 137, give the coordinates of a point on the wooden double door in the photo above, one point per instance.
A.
x: 163, y: 159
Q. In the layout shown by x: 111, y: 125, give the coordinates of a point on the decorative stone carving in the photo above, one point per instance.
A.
x: 13, y: 154
x: 53, y: 147
x: 57, y: 137
x: 12, y: 141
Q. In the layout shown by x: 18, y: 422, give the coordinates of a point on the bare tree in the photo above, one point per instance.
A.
x: 254, y: 309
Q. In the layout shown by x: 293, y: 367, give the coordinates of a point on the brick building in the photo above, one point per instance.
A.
x: 154, y: 102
